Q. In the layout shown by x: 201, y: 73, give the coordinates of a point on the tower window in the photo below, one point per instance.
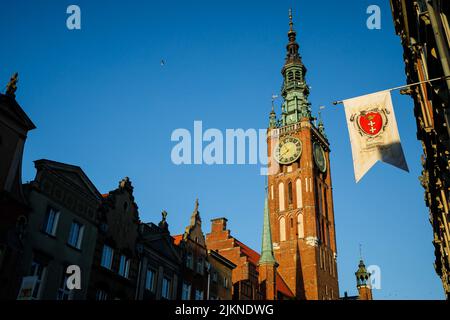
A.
x: 290, y: 76
x: 282, y: 229
x: 297, y: 75
x: 281, y: 196
x: 298, y: 187
x: 290, y: 192
x: 300, y: 227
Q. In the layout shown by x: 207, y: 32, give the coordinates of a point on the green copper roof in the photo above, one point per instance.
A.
x: 362, y: 275
x: 267, y: 247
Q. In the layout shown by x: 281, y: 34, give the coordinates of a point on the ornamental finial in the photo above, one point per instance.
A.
x: 11, y: 87
x: 291, y: 24
x: 196, y: 205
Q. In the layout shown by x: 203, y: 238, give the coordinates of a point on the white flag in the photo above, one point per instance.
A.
x: 373, y: 132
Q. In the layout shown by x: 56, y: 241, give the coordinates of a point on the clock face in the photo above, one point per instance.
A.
x: 288, y: 150
x: 319, y: 157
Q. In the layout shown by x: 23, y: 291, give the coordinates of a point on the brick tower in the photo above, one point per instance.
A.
x: 300, y: 191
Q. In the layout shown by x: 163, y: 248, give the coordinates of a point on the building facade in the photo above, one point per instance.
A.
x: 220, y: 275
x: 14, y: 208
x: 195, y: 270
x: 300, y: 189
x: 160, y: 262
x: 61, y: 232
x: 115, y: 263
x: 424, y: 30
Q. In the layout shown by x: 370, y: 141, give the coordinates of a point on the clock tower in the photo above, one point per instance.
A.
x: 300, y: 190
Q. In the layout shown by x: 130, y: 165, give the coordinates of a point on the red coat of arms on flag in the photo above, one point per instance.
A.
x: 370, y: 122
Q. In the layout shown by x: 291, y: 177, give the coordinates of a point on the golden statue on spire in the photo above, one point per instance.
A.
x: 11, y: 87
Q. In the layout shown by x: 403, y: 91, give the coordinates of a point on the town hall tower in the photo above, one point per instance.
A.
x: 300, y: 189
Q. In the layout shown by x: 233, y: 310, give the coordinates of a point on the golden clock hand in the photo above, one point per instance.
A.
x: 285, y: 152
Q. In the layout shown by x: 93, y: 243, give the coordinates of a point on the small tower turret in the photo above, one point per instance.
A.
x: 363, y: 282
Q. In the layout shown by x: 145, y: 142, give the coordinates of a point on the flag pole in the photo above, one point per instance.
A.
x: 401, y: 87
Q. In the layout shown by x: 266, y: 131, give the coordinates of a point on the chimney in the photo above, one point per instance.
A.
x: 218, y: 225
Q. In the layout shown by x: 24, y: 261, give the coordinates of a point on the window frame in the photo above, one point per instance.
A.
x: 103, y: 257
x: 64, y: 293
x: 199, y: 294
x: 124, y: 270
x: 186, y: 294
x: 190, y: 260
x: 200, y: 265
x: 152, y: 284
x: 166, y: 288
x: 79, y: 237
x: 45, y: 226
x: 101, y: 295
x: 40, y: 278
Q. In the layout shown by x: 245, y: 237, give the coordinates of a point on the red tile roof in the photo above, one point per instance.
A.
x: 253, y: 257
x: 177, y: 238
x: 282, y: 287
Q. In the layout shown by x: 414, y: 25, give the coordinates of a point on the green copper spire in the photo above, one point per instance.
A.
x: 320, y: 126
x: 295, y: 91
x: 267, y: 246
x: 273, y: 115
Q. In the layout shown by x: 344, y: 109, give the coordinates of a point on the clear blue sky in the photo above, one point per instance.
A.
x: 101, y: 100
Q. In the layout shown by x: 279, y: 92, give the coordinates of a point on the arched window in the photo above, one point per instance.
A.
x: 319, y: 197
x: 282, y: 229
x: 298, y: 187
x: 300, y: 226
x: 290, y: 192
x: 324, y: 239
x: 281, y: 196
x: 328, y: 235
x: 297, y: 75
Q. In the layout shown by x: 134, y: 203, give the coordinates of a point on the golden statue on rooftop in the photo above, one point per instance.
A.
x: 11, y: 87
